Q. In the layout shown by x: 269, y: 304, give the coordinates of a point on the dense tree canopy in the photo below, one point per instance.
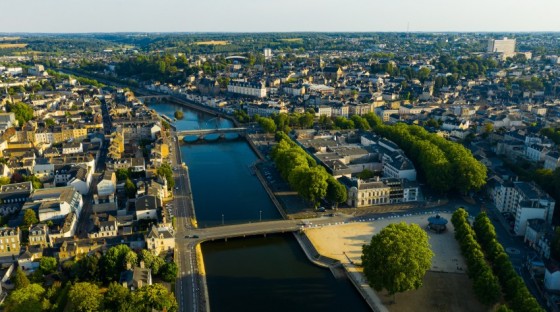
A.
x: 302, y: 173
x: 48, y: 265
x: 85, y: 297
x: 20, y: 279
x: 397, y: 258
x: 22, y: 111
x: 485, y: 283
x: 114, y: 262
x: 25, y: 299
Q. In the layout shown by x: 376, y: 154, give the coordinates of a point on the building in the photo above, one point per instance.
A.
x: 523, y: 200
x: 136, y: 277
x: 379, y: 191
x: 160, y: 239
x: 505, y: 46
x: 13, y: 196
x: 147, y: 207
x: 107, y: 187
x: 256, y: 89
x: 538, y: 236
x: 10, y: 239
x: 267, y: 53
x: 38, y: 234
x: 55, y: 203
x: 531, y: 203
x: 107, y: 228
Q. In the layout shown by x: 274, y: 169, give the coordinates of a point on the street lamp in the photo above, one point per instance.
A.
x: 260, y: 215
x: 222, y: 219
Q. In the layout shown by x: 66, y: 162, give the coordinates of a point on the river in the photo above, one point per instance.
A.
x: 251, y: 274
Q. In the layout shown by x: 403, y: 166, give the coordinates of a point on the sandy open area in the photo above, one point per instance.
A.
x: 344, y: 242
x: 446, y: 286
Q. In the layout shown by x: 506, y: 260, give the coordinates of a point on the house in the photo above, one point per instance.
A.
x: 72, y: 148
x: 70, y: 249
x: 332, y: 73
x: 107, y: 187
x: 136, y: 277
x: 107, y: 228
x: 38, y: 234
x: 63, y: 227
x: 78, y: 176
x: 10, y: 239
x: 160, y: 239
x: 146, y: 207
x: 28, y: 260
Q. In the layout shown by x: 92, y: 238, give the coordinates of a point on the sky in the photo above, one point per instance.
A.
x: 78, y: 16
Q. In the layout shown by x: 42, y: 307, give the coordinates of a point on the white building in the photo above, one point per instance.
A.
x: 505, y: 46
x: 267, y: 53
x: 552, y: 277
x: 55, y: 203
x: 536, y: 152
x: 247, y: 88
x: 72, y: 148
x: 531, y: 203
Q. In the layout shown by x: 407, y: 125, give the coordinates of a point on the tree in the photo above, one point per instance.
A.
x: 179, y: 114
x: 310, y: 183
x: 154, y: 297
x: 169, y: 271
x: 267, y: 124
x: 366, y: 174
x: 37, y: 184
x: 114, y: 261
x: 85, y: 297
x: 4, y: 180
x: 48, y: 265
x: 88, y: 268
x: 151, y: 261
x: 118, y: 298
x: 122, y: 174
x: 488, y: 127
x: 29, y: 218
x: 165, y: 171
x: 49, y: 122
x: 336, y: 192
x: 131, y: 258
x: 130, y: 188
x: 25, y: 299
x: 20, y: 279
x: 397, y: 258
x: 22, y: 112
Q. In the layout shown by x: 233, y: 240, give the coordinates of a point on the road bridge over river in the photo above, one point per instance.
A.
x: 203, y: 132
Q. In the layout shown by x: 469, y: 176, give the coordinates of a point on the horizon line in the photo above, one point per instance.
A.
x: 285, y: 32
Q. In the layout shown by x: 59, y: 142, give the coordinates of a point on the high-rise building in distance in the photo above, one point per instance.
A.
x: 267, y: 53
x: 505, y: 46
